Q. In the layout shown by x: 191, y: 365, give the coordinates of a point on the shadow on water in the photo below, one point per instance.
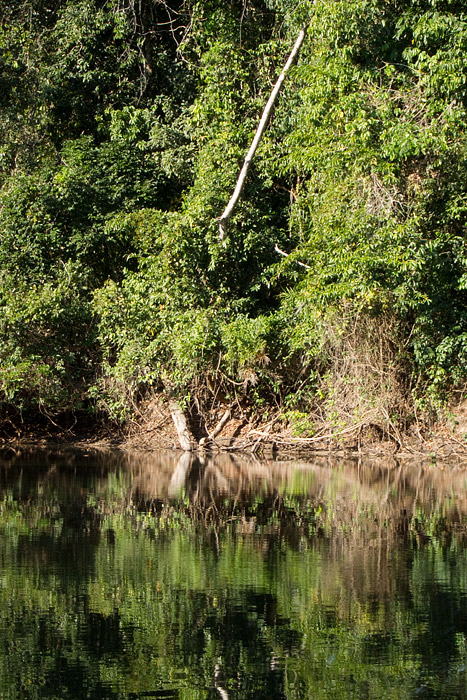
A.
x: 133, y: 575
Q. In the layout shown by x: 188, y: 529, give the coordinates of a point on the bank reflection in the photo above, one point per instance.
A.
x: 390, y: 490
x: 388, y: 487
x: 167, y: 575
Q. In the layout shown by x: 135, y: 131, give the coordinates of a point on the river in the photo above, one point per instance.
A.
x: 155, y: 575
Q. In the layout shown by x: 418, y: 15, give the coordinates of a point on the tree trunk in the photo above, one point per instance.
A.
x: 224, y: 218
x: 178, y: 480
x: 181, y: 426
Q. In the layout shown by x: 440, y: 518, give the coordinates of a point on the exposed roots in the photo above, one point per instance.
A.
x: 365, y: 388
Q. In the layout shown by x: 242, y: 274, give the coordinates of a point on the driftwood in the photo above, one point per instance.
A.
x: 221, y: 424
x: 224, y: 218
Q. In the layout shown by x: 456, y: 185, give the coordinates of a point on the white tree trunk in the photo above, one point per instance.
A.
x: 180, y: 474
x: 181, y: 426
x: 259, y: 132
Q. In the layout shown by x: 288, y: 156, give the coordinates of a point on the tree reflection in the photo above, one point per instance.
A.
x: 159, y: 575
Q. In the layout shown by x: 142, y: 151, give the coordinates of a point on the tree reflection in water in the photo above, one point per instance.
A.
x: 159, y: 575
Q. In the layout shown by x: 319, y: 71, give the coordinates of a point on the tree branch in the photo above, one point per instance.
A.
x: 223, y: 219
x: 286, y: 255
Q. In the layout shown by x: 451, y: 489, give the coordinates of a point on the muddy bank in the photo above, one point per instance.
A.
x: 268, y: 432
x: 230, y: 428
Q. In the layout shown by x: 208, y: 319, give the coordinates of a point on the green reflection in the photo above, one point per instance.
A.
x: 258, y: 580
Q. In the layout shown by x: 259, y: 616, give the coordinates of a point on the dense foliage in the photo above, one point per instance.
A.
x: 122, y: 130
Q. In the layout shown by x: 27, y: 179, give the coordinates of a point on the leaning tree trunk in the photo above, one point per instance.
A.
x: 224, y: 218
x: 181, y: 425
x: 179, y: 419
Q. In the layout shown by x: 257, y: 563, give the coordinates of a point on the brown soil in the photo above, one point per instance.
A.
x: 232, y: 429
x: 267, y: 432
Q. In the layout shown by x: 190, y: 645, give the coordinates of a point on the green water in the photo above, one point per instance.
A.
x: 147, y: 576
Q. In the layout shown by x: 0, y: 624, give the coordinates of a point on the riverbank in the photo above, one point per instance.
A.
x: 268, y: 432
x: 230, y: 428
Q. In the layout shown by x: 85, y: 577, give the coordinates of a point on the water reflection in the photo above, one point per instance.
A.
x: 132, y: 575
x: 165, y: 475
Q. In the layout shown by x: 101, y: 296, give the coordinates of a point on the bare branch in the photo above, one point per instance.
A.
x: 286, y: 255
x: 223, y: 219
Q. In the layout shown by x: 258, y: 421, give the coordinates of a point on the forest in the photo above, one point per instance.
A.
x: 337, y: 296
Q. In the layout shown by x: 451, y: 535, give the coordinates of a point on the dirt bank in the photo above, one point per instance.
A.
x: 264, y: 432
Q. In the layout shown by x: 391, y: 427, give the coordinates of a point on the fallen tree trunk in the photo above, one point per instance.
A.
x: 224, y: 218
x: 221, y: 424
